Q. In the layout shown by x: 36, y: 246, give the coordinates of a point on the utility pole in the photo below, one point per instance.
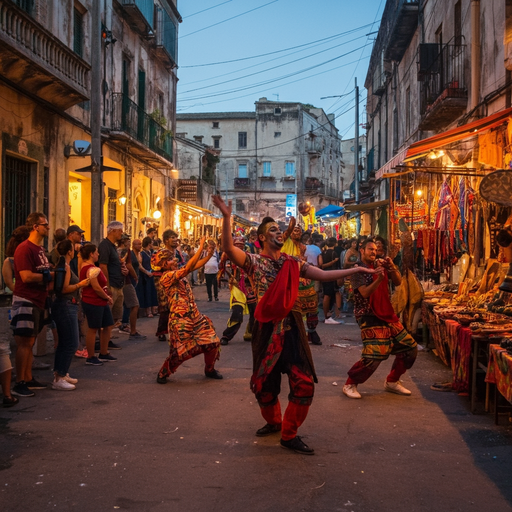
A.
x: 356, y: 159
x: 96, y: 163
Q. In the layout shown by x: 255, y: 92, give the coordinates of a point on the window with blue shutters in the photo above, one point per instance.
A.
x: 267, y: 169
x: 290, y: 169
x: 242, y: 170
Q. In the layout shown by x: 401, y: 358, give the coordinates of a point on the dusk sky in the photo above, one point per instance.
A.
x: 286, y: 50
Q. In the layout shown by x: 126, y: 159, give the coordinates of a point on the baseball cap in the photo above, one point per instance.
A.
x: 74, y: 229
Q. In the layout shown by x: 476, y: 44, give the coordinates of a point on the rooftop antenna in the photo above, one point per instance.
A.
x: 277, y: 95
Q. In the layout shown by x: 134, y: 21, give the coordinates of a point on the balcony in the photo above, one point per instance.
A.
x: 166, y: 34
x: 312, y: 185
x: 134, y: 128
x: 36, y: 61
x: 139, y: 15
x: 402, y: 16
x: 242, y: 182
x: 330, y: 192
x: 314, y: 148
x: 443, y: 92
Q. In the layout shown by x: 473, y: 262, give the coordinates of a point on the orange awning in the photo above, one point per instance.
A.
x: 422, y: 147
x: 391, y: 164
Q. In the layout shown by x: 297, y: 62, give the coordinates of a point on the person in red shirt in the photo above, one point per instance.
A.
x: 29, y: 309
x: 96, y: 302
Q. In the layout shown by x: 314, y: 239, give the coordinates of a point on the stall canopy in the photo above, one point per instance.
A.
x: 391, y: 164
x: 423, y: 147
x: 366, y: 206
x: 330, y: 211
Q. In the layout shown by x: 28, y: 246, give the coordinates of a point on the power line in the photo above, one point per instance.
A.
x: 222, y: 93
x: 278, y: 51
x: 228, y: 19
x: 272, y: 68
x: 208, y: 9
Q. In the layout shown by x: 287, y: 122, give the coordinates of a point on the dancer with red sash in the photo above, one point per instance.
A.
x: 279, y: 339
x: 381, y: 331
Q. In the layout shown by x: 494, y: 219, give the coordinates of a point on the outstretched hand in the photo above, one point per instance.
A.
x: 224, y: 208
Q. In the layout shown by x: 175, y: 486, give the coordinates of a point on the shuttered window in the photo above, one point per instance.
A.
x: 78, y: 32
x: 267, y: 169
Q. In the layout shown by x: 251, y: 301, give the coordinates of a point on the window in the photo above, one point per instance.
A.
x: 78, y: 32
x: 240, y: 206
x: 242, y: 171
x: 216, y: 142
x: 267, y: 169
x: 277, y: 111
x: 26, y: 5
x: 457, y: 20
x: 277, y: 134
x: 407, y: 111
x: 198, y: 138
x: 112, y: 203
x: 242, y: 139
x: 290, y: 169
x: 215, y: 124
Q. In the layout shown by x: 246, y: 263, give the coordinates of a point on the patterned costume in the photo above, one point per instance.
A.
x: 157, y: 261
x: 280, y: 346
x: 381, y: 338
x: 242, y: 301
x: 190, y: 332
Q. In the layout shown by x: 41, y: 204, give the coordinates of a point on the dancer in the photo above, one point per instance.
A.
x: 242, y: 300
x: 279, y: 340
x: 381, y: 331
x: 190, y: 332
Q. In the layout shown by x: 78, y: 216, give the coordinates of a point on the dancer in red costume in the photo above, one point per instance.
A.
x: 279, y: 340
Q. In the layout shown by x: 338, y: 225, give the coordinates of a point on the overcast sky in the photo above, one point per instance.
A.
x: 291, y: 50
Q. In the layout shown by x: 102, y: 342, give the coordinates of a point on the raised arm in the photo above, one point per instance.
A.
x: 331, y: 275
x: 236, y: 255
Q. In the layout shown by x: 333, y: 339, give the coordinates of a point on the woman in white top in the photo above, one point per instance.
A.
x: 210, y: 272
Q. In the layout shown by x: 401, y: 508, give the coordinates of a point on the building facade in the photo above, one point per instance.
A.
x: 46, y: 50
x: 279, y: 149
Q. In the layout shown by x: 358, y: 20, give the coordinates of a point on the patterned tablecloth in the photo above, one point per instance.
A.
x: 499, y: 370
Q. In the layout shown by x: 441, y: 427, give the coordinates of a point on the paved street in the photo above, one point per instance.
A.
x: 123, y: 442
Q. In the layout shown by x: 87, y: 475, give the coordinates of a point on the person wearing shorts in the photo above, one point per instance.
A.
x: 29, y: 311
x: 96, y: 303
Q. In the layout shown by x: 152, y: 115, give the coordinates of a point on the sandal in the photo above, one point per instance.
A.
x: 9, y: 401
x: 150, y: 316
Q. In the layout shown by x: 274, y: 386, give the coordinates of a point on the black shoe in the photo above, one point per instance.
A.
x: 214, y: 374
x: 113, y: 346
x: 298, y: 445
x: 162, y: 337
x: 314, y: 338
x: 209, y: 300
x: 10, y: 401
x: 107, y: 357
x: 217, y: 299
x: 33, y: 384
x: 161, y: 380
x: 224, y: 341
x: 21, y: 389
x: 268, y: 429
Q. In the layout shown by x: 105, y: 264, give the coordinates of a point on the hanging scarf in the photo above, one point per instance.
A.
x: 281, y: 295
x: 380, y: 303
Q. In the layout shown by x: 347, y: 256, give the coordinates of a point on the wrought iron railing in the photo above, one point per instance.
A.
x: 441, y: 72
x: 128, y: 117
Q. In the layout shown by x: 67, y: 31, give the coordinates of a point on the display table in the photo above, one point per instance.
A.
x: 499, y: 373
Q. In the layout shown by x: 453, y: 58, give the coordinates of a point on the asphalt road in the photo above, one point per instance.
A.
x: 121, y: 441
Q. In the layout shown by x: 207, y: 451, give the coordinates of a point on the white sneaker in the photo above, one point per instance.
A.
x: 69, y: 379
x: 396, y: 387
x: 62, y: 385
x: 331, y: 321
x: 350, y: 390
